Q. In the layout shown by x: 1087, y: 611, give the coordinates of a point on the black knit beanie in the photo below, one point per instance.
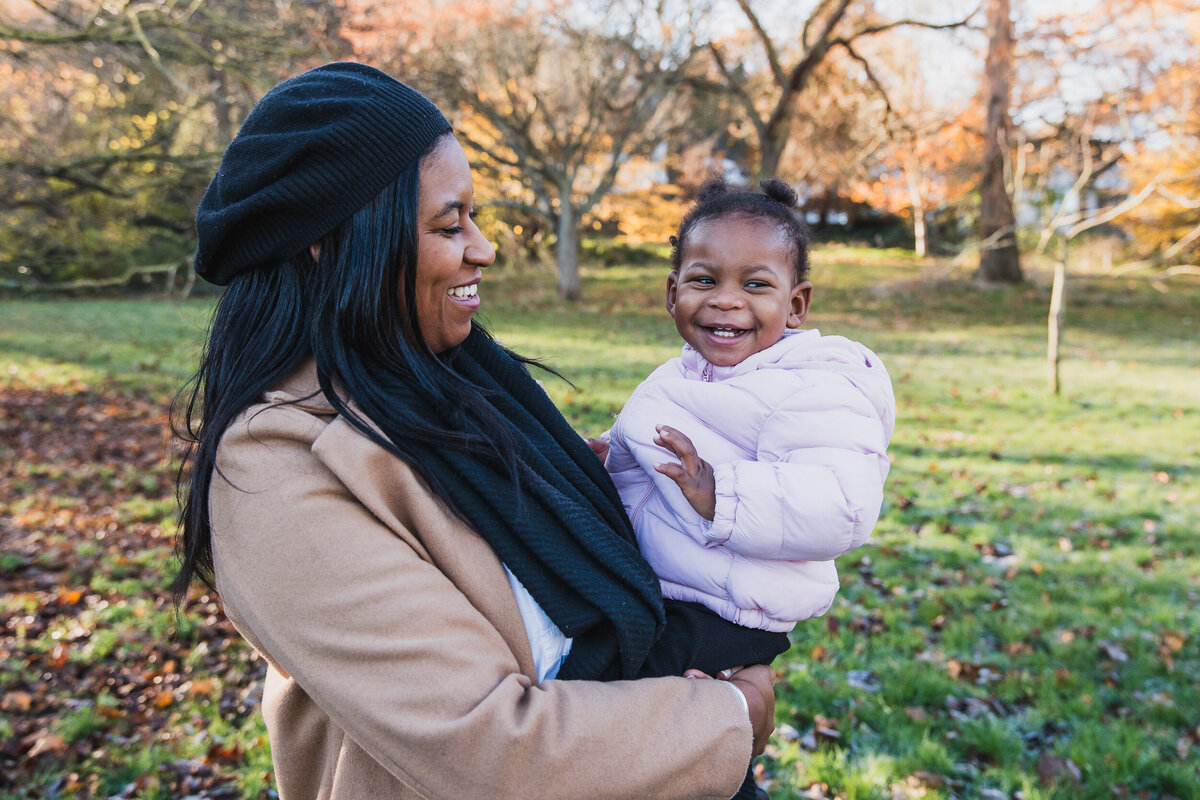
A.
x: 313, y: 151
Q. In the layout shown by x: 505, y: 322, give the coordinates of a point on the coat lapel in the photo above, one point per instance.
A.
x: 390, y: 490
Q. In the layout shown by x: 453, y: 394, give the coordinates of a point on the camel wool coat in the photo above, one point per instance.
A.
x: 399, y: 666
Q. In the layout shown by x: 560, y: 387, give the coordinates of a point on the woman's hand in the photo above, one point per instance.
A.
x: 692, y: 474
x: 757, y: 685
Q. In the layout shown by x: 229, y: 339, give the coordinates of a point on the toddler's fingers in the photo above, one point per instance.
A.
x: 679, y: 444
x: 669, y: 444
x: 673, y: 471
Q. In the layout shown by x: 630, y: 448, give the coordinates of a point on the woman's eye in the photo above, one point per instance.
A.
x: 453, y: 230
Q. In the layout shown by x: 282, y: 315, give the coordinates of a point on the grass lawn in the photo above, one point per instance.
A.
x: 1024, y: 624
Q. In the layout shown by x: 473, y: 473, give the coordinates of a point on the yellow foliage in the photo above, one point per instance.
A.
x: 1173, y: 211
x: 646, y: 215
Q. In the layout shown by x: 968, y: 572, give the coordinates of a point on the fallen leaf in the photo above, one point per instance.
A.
x: 1113, y: 652
x: 787, y: 732
x: 864, y: 679
x: 69, y: 596
x: 16, y: 701
x: 49, y: 743
x: 1053, y: 769
x: 1174, y: 640
x: 931, y: 779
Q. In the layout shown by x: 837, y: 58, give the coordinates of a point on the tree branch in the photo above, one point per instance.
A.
x: 765, y: 40
x: 871, y: 30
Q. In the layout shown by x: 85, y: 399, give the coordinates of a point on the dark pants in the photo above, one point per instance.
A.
x: 696, y: 638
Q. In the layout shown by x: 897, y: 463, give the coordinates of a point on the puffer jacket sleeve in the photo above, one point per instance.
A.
x: 816, y: 488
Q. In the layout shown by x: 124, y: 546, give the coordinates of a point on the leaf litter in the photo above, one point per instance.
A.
x: 97, y: 671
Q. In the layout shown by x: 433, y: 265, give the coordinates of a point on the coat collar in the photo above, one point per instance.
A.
x: 693, y: 362
x: 302, y: 389
x: 389, y: 488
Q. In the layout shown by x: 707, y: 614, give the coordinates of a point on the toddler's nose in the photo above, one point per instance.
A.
x: 725, y: 297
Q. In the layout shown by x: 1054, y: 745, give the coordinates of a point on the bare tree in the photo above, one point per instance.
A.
x: 113, y: 114
x: 830, y: 26
x: 552, y: 102
x: 1125, y: 156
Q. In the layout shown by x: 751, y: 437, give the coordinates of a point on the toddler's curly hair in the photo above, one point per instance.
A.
x: 776, y: 206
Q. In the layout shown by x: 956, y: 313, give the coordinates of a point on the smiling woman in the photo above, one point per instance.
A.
x: 451, y: 251
x: 436, y: 568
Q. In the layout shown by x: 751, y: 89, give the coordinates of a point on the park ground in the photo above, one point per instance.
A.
x: 1024, y: 624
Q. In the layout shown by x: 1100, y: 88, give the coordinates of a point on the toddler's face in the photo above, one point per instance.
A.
x: 735, y: 291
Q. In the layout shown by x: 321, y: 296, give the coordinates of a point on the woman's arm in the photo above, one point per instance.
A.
x: 361, y: 617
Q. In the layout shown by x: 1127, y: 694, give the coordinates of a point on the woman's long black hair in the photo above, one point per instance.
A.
x: 354, y: 311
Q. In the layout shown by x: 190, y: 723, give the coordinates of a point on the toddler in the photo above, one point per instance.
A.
x: 779, y: 437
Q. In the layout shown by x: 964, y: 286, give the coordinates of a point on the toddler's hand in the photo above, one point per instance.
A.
x: 692, y: 474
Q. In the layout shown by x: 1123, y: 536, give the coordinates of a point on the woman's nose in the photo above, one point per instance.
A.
x: 479, y: 251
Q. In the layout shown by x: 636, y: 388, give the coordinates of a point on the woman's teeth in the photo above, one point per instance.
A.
x: 463, y: 291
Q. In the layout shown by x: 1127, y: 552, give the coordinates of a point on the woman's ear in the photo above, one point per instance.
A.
x: 800, y: 301
x: 672, y: 291
x: 314, y: 250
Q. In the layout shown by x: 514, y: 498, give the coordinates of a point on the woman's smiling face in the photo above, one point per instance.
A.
x: 451, y: 250
x: 735, y: 291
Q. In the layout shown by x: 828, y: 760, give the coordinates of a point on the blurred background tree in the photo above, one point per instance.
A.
x: 591, y: 121
x: 112, y: 118
x: 1109, y: 134
x: 551, y: 98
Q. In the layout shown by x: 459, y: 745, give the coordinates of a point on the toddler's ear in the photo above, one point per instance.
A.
x: 801, y: 299
x: 672, y: 291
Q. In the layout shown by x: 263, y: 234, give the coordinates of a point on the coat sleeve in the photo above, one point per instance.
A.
x: 387, y: 646
x: 816, y: 488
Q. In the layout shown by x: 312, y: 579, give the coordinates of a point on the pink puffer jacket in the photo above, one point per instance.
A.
x: 797, y: 435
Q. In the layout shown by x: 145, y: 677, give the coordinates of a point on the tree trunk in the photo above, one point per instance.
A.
x: 1054, y: 325
x: 999, y: 260
x: 772, y: 153
x: 222, y: 108
x: 566, y: 250
x: 912, y: 170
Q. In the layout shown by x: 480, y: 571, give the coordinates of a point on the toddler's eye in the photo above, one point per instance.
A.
x: 704, y: 281
x: 757, y: 284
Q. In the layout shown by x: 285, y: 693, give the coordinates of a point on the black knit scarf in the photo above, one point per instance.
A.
x: 567, y: 538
